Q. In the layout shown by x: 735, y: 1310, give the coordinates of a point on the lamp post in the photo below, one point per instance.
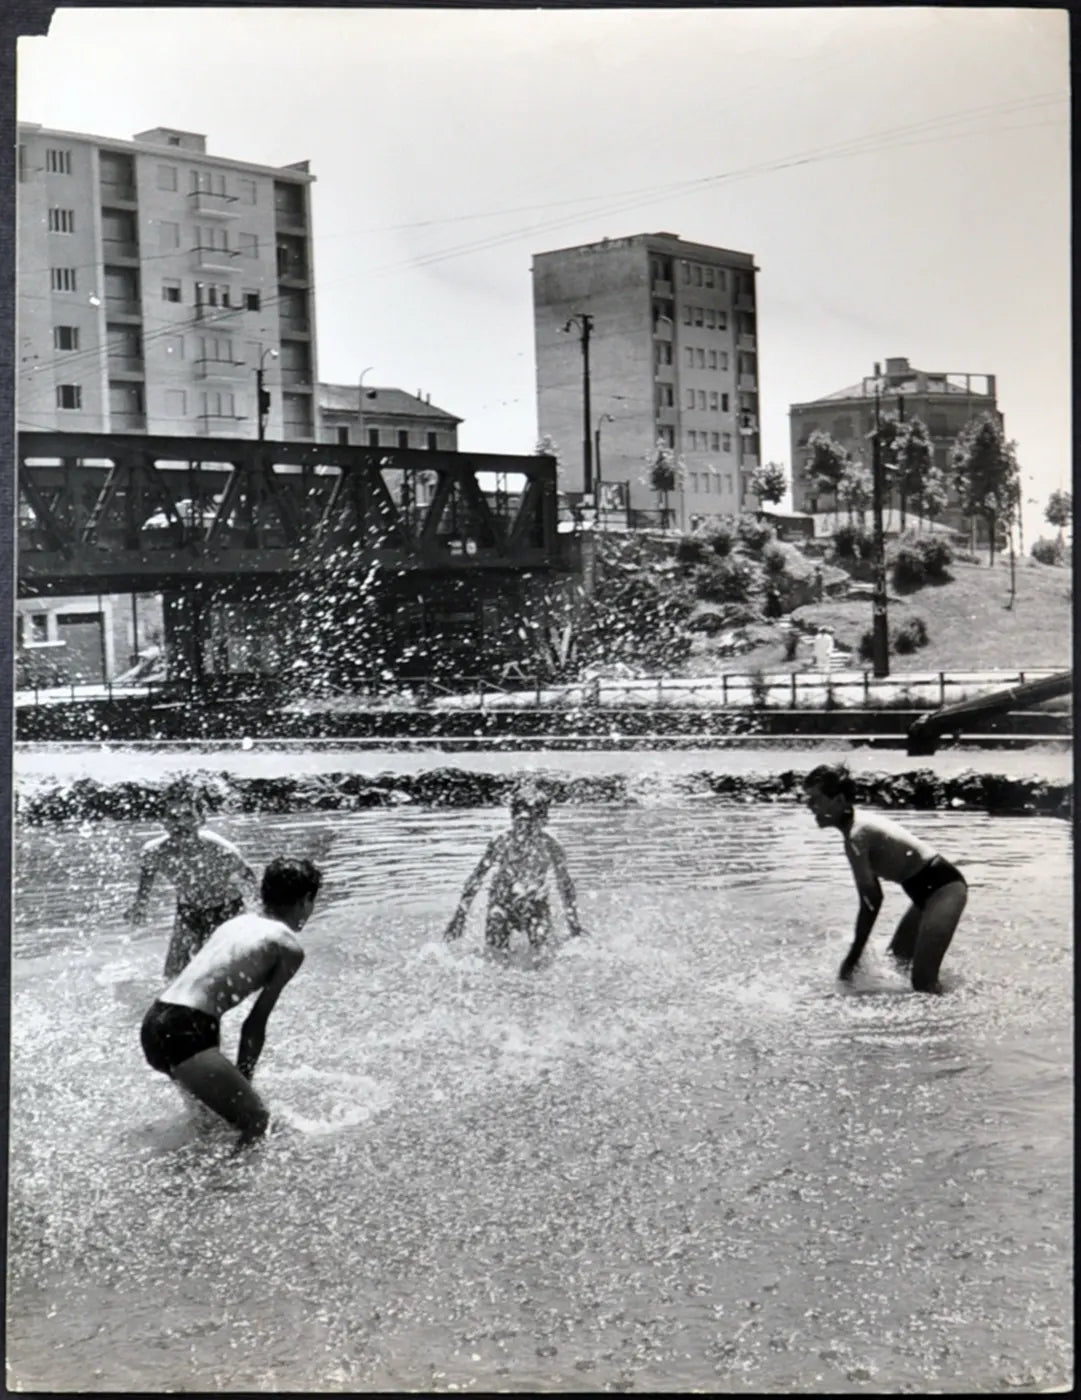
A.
x: 584, y: 322
x: 604, y: 418
x: 360, y: 404
x: 262, y: 395
x: 879, y: 621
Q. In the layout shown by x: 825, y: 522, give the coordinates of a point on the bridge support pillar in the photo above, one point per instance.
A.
x: 186, y: 620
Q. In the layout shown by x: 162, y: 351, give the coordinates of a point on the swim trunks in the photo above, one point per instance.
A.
x: 172, y: 1034
x: 528, y: 913
x: 936, y: 874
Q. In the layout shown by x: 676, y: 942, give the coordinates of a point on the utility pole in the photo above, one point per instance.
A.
x: 262, y: 395
x: 880, y: 625
x: 585, y: 324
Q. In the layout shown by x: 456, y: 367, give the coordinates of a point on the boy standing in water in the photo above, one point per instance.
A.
x: 880, y: 849
x: 250, y: 953
x: 209, y: 873
x: 518, y: 898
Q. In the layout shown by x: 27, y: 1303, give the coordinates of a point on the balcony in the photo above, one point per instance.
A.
x: 294, y: 327
x: 663, y: 328
x: 124, y: 308
x: 230, y: 371
x: 748, y: 384
x: 292, y: 274
x: 215, y: 260
x: 748, y: 343
x: 749, y: 461
x: 206, y: 313
x: 127, y: 422
x: 661, y: 287
x: 126, y: 367
x: 113, y: 192
x: 296, y: 378
x: 124, y: 249
x: 744, y: 301
x: 220, y: 425
x: 216, y: 206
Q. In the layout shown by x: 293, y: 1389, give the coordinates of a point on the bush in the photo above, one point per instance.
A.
x: 691, y: 549
x: 720, y: 539
x: 853, y: 542
x: 724, y: 581
x: 1046, y: 551
x: 937, y: 556
x: 775, y: 562
x: 755, y: 534
x: 866, y: 647
x: 910, y: 636
x: 908, y: 568
x: 791, y: 645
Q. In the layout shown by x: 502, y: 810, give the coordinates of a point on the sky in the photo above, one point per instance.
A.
x: 901, y: 176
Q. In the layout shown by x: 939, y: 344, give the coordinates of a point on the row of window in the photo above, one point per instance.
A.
x: 58, y: 162
x: 701, y: 398
x: 706, y: 483
x: 698, y: 275
x: 707, y: 316
x: 374, y: 438
x: 695, y: 356
x: 709, y: 442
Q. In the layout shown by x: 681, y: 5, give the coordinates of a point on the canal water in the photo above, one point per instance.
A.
x: 677, y: 1156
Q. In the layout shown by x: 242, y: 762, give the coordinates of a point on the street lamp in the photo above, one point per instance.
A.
x: 584, y: 322
x: 360, y: 404
x: 262, y: 396
x: 880, y: 627
x: 604, y: 418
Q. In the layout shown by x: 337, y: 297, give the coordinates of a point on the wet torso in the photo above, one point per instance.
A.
x: 236, y: 960
x: 522, y: 865
x: 204, y: 867
x: 894, y: 853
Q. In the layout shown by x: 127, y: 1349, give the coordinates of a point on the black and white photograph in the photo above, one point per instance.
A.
x: 542, y: 700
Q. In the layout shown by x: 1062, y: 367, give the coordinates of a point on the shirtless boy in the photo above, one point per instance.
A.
x: 250, y: 953
x: 881, y: 849
x: 518, y: 897
x: 208, y: 872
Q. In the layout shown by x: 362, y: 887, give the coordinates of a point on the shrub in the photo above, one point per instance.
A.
x: 724, y: 581
x: 1046, y: 551
x: 791, y: 645
x: 909, y: 570
x: 853, y: 542
x: 755, y: 534
x: 775, y: 562
x: 866, y: 647
x: 937, y: 556
x: 691, y: 549
x: 720, y: 539
x: 910, y: 636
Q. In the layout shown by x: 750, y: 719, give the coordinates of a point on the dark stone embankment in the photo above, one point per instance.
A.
x: 921, y: 789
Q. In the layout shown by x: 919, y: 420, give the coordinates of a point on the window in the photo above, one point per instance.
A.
x: 713, y: 400
x: 688, y: 313
x: 701, y: 358
x: 690, y: 357
x: 373, y: 437
x: 65, y: 337
x: 715, y: 442
x: 69, y: 396
x: 666, y: 396
x: 724, y: 403
x: 722, y: 320
x: 722, y: 279
x: 176, y: 403
x: 709, y: 277
x: 403, y: 437
x: 726, y: 442
x: 62, y: 279
x: 61, y: 220
x: 35, y: 628
x: 697, y: 275
x: 433, y: 444
x: 694, y: 482
x: 699, y: 316
x: 710, y: 317
x: 207, y: 182
x: 217, y: 348
x: 212, y: 294
x: 218, y: 403
x: 170, y: 291
x: 692, y: 439
x: 667, y: 436
x: 58, y: 161
x: 662, y: 353
x: 166, y: 177
x: 713, y: 359
x: 168, y: 236
x: 690, y: 398
x: 724, y: 359
x: 702, y: 399
x: 251, y: 300
x: 248, y: 243
x: 172, y: 140
x: 686, y: 273
x: 342, y: 438
x: 211, y: 237
x: 247, y: 191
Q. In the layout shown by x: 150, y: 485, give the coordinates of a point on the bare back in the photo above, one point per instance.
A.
x: 237, y: 959
x: 892, y: 852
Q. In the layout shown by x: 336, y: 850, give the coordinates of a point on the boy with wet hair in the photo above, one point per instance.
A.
x: 211, y: 877
x: 250, y: 953
x: 881, y: 849
x: 522, y: 857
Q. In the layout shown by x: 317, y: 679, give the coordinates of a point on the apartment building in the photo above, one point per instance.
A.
x: 673, y: 353
x: 374, y: 417
x: 944, y: 400
x: 153, y: 279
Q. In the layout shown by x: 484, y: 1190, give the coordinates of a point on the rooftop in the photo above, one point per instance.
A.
x: 343, y: 398
x: 902, y: 378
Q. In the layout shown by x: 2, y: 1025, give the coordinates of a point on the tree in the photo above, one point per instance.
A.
x: 1059, y: 510
x: 665, y: 474
x: 769, y: 483
x: 854, y: 490
x: 913, y: 456
x: 826, y: 462
x: 986, y: 474
x: 934, y: 493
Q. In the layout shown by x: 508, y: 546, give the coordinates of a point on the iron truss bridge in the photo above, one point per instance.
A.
x: 101, y: 512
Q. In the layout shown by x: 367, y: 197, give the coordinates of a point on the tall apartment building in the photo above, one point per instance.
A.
x: 945, y: 401
x: 673, y: 358
x: 153, y: 278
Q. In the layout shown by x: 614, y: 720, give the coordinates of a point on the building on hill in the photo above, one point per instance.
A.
x: 374, y: 417
x: 673, y: 358
x: 944, y: 401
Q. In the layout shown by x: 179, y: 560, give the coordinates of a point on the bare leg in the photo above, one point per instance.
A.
x: 183, y: 945
x: 941, y: 915
x: 220, y: 1085
x: 903, y: 943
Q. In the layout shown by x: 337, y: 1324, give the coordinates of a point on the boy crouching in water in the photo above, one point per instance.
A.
x: 250, y: 953
x: 518, y: 898
x: 210, y: 875
x: 881, y: 849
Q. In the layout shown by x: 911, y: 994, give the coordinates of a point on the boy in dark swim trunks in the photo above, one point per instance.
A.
x: 209, y: 873
x: 880, y: 849
x: 518, y: 898
x: 250, y: 953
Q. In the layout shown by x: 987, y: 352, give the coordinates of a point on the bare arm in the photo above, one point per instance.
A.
x: 870, y: 893
x: 566, y: 885
x: 472, y: 885
x: 148, y: 869
x: 253, y: 1031
x: 245, y: 879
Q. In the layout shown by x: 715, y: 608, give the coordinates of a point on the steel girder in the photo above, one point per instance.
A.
x: 105, y: 512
